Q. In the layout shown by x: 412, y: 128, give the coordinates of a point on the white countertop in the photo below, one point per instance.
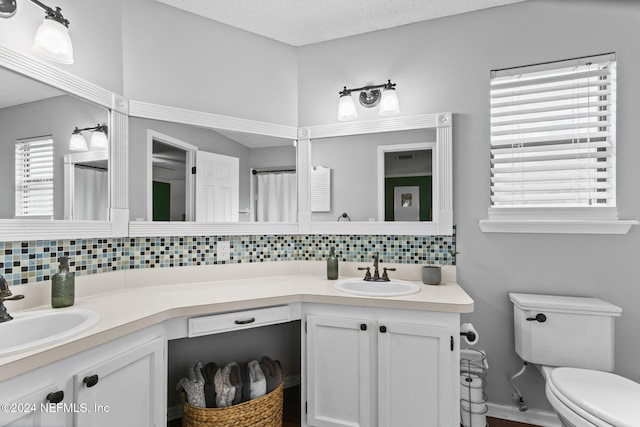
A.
x: 129, y: 309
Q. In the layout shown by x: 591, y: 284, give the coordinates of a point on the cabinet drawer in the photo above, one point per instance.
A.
x: 217, y: 323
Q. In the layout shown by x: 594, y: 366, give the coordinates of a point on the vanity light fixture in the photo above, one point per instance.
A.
x: 7, y: 8
x: 52, y: 38
x: 369, y: 97
x: 98, y: 138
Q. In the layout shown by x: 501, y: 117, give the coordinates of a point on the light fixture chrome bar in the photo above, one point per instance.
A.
x: 346, y: 91
x: 98, y: 138
x: 56, y: 14
x: 97, y: 128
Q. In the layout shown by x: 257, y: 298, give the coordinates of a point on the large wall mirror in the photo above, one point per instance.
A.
x: 52, y: 189
x: 374, y: 177
x: 387, y: 176
x: 41, y: 176
x: 195, y: 173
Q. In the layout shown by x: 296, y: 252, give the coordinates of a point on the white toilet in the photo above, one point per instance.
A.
x: 570, y: 339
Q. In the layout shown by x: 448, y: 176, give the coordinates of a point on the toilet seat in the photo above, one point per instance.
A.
x: 601, y: 398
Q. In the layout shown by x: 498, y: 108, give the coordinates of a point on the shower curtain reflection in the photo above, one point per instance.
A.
x: 276, y: 199
x: 91, y: 193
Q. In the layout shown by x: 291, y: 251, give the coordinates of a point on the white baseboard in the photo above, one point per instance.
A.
x: 175, y: 412
x: 532, y: 416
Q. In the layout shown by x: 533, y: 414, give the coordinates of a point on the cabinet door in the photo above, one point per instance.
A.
x: 125, y: 390
x: 338, y: 376
x: 41, y: 407
x: 414, y: 376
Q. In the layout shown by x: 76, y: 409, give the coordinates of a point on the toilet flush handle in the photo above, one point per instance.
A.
x: 540, y: 317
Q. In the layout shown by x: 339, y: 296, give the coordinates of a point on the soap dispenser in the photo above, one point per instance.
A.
x: 332, y: 265
x: 63, y: 285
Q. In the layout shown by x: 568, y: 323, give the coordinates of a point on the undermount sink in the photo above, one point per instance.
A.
x: 34, y: 329
x: 377, y: 289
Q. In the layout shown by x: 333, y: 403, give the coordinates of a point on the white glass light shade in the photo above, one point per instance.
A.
x: 346, y: 108
x: 99, y: 140
x: 389, y: 105
x: 53, y: 42
x: 78, y: 143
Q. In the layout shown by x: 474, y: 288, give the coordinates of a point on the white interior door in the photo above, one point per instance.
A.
x: 217, y: 187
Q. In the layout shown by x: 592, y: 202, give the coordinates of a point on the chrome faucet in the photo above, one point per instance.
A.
x: 6, y: 295
x: 376, y: 273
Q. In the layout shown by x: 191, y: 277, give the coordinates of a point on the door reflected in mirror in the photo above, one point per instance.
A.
x: 190, y: 173
x: 407, y: 174
x: 169, y: 180
x: 374, y: 177
x: 37, y: 121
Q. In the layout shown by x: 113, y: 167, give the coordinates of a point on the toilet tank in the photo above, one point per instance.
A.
x: 576, y: 331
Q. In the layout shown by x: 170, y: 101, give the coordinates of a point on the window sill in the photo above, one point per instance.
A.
x: 557, y: 226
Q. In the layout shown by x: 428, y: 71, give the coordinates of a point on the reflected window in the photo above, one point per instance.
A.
x: 34, y: 178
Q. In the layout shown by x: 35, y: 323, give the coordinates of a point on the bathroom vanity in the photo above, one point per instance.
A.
x: 364, y: 360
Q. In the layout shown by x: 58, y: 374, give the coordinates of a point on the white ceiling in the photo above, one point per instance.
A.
x: 303, y: 22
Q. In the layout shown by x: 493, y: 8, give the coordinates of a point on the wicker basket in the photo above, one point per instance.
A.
x: 265, y: 411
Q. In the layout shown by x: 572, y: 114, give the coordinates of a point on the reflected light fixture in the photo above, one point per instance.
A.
x: 52, y: 38
x: 98, y: 138
x: 369, y: 97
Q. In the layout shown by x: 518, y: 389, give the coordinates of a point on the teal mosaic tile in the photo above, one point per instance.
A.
x: 35, y: 261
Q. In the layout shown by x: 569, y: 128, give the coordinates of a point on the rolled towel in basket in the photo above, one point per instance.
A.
x: 209, y: 373
x: 257, y: 380
x: 272, y: 371
x: 193, y: 386
x: 235, y: 379
x: 225, y: 392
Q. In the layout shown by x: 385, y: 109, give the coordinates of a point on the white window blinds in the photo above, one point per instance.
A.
x: 553, y: 135
x: 34, y: 177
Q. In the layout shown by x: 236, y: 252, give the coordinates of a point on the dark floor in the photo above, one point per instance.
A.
x: 291, y: 416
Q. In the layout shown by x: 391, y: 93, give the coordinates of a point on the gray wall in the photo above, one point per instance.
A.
x: 176, y: 58
x: 443, y: 65
x: 273, y: 157
x: 58, y: 117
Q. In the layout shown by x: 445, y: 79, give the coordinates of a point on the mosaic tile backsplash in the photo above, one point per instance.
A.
x: 34, y: 261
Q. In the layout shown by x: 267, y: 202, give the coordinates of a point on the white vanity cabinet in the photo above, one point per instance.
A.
x: 119, y: 383
x: 33, y: 403
x: 125, y: 389
x: 380, y: 367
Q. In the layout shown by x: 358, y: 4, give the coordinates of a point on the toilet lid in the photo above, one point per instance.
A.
x: 606, y: 396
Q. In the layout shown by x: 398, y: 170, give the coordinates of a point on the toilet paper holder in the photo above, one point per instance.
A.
x: 471, y: 335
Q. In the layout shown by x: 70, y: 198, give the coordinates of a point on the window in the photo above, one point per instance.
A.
x: 553, y: 141
x: 34, y: 177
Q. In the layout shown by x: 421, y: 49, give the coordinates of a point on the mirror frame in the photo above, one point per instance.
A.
x: 442, y: 223
x: 117, y: 106
x: 212, y: 121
